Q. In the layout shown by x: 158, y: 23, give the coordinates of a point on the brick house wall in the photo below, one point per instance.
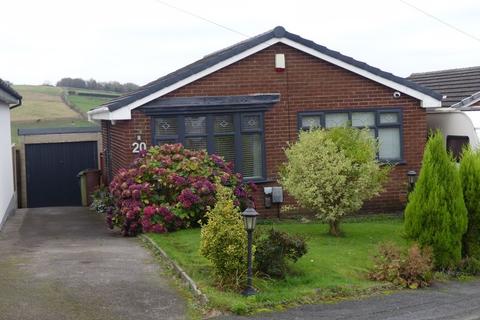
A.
x: 307, y: 84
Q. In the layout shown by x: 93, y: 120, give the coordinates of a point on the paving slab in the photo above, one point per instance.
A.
x: 63, y: 263
x: 444, y: 301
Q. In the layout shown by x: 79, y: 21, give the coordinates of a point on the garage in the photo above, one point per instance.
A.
x: 52, y: 159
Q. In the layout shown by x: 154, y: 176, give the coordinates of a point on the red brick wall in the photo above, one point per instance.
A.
x: 307, y: 84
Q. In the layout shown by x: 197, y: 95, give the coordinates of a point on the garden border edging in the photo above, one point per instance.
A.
x: 178, y: 270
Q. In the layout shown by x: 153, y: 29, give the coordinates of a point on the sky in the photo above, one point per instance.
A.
x: 141, y: 40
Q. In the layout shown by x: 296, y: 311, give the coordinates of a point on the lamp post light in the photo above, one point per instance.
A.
x: 412, y: 178
x: 250, y: 221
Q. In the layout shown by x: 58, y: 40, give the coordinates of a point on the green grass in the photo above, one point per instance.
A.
x: 332, y: 268
x: 48, y: 124
x: 86, y: 103
x: 41, y: 103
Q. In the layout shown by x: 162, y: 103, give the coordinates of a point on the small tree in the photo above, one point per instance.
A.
x: 436, y: 215
x: 223, y: 240
x: 470, y: 179
x: 332, y: 172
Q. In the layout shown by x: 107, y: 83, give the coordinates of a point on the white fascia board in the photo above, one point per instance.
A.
x: 426, y: 100
x: 124, y: 113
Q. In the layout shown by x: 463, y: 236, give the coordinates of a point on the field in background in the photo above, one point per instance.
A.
x: 41, y: 103
x: 43, y: 107
x: 85, y: 103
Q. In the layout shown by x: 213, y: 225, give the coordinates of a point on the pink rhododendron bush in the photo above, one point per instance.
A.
x: 170, y: 187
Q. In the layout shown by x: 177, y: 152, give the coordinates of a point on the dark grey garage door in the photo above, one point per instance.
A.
x: 52, y: 170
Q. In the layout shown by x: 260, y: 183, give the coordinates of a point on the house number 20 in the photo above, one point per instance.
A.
x: 138, y: 147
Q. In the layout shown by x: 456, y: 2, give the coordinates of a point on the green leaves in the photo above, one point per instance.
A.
x: 332, y: 172
x: 436, y: 215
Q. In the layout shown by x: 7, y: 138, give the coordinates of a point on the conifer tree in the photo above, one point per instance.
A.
x: 470, y: 178
x: 436, y: 215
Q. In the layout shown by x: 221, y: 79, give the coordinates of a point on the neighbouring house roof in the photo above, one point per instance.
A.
x: 460, y: 86
x: 120, y: 108
x: 9, y: 95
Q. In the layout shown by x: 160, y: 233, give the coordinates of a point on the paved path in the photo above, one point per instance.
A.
x: 62, y: 263
x: 446, y: 301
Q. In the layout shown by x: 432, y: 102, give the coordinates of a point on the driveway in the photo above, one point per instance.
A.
x: 446, y: 301
x: 62, y: 263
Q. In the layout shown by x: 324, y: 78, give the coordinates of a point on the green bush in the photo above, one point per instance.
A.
x: 470, y: 178
x: 435, y: 214
x: 274, y: 248
x: 332, y: 172
x: 223, y: 240
x: 412, y: 269
x: 470, y: 266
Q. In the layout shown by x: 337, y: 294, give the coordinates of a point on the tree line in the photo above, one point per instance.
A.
x: 114, y: 86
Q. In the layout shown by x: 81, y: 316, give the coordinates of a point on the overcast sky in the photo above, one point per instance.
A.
x: 141, y: 40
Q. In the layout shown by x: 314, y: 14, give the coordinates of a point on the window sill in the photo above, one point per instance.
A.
x: 260, y: 180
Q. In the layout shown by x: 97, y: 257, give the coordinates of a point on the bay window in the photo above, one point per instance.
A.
x: 238, y: 137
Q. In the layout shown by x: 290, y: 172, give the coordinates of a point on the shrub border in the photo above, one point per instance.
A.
x: 176, y: 268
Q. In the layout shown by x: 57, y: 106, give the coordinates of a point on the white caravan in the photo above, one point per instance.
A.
x: 459, y: 127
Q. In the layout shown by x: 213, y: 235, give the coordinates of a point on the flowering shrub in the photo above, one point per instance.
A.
x: 170, y: 187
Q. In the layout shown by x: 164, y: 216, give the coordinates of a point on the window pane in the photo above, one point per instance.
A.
x: 252, y: 156
x: 336, y: 120
x: 311, y: 122
x: 225, y: 146
x: 166, y: 127
x: 389, y: 143
x: 251, y: 122
x: 455, y: 145
x: 196, y: 143
x: 363, y: 119
x: 223, y: 124
x: 195, y: 125
x: 388, y: 117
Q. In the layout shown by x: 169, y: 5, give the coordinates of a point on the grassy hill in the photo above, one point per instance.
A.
x: 54, y: 107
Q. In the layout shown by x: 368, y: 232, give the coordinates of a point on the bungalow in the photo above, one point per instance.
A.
x: 9, y: 99
x: 247, y: 101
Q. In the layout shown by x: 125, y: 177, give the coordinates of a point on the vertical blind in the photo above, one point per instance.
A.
x: 238, y: 137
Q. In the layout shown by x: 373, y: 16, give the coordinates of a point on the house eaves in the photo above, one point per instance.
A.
x: 120, y: 108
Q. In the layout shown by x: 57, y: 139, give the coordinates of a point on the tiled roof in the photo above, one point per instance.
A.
x: 6, y: 87
x: 222, y: 55
x: 456, y: 84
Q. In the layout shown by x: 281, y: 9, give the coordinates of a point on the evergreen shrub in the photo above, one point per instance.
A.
x: 223, y: 240
x: 470, y: 178
x: 435, y: 214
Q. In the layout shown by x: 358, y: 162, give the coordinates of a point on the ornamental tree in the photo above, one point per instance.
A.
x: 332, y: 172
x: 470, y: 179
x: 170, y: 187
x: 436, y: 215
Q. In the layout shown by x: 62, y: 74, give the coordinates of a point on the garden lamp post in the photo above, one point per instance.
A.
x: 412, y: 178
x: 250, y: 221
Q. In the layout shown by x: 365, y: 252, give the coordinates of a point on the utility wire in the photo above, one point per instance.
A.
x: 201, y: 18
x: 441, y: 21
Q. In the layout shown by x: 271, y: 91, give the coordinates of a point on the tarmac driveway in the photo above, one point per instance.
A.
x: 62, y: 263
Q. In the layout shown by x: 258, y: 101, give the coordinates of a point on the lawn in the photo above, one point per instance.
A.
x: 41, y: 103
x: 332, y: 268
x: 86, y: 103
